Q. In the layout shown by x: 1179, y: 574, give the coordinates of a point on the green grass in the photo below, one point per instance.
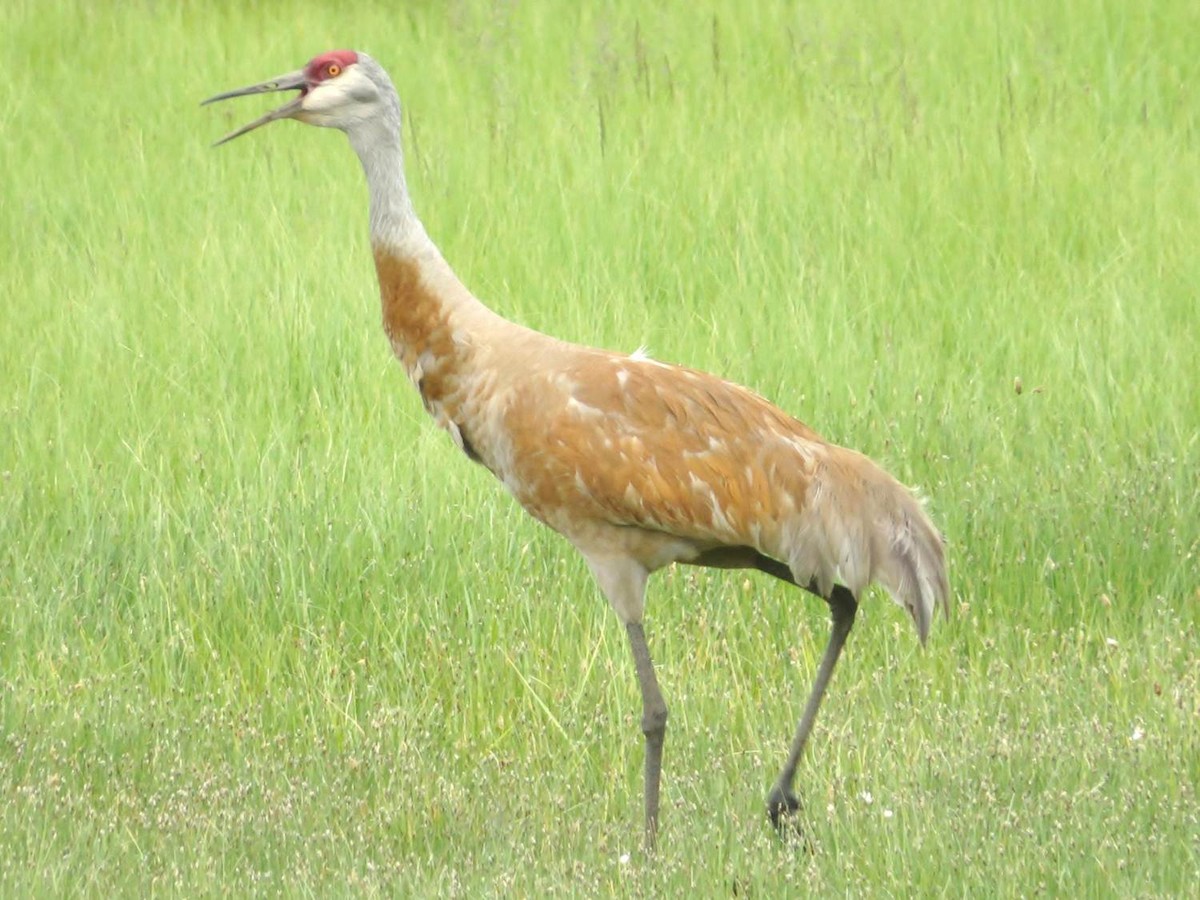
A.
x: 263, y: 628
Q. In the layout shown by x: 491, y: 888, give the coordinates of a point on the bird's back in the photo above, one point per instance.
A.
x: 628, y: 441
x: 666, y: 463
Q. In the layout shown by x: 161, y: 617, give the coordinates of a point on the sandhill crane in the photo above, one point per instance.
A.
x: 637, y: 463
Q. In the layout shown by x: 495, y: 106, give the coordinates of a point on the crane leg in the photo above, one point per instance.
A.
x: 654, y: 725
x: 781, y: 801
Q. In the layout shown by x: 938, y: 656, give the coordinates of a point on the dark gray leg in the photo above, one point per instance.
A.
x: 654, y: 725
x: 781, y: 800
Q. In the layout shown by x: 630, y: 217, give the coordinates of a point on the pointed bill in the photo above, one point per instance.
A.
x: 291, y: 82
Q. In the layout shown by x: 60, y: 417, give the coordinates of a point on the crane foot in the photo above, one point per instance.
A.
x: 781, y: 805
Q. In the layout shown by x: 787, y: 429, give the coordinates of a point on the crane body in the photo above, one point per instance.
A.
x: 637, y: 463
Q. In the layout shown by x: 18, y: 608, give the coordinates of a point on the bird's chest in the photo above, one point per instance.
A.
x: 456, y: 400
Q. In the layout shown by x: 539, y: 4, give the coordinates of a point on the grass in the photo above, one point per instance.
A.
x: 263, y: 629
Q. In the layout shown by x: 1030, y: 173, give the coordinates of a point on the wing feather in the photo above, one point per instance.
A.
x: 635, y: 442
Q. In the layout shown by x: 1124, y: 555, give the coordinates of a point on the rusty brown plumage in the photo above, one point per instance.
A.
x: 635, y: 443
x: 637, y: 463
x: 640, y: 464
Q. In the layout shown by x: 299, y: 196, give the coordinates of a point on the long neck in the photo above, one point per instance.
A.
x: 428, y: 314
x: 394, y: 222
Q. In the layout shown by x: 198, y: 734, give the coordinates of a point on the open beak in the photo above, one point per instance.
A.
x: 291, y: 82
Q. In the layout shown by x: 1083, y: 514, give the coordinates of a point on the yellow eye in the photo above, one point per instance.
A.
x: 334, y: 70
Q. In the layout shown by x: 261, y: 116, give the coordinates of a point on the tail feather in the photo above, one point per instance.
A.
x: 913, y: 568
x: 859, y: 526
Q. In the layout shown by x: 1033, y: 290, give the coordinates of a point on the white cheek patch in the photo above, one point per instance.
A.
x: 322, y: 98
x: 352, y: 87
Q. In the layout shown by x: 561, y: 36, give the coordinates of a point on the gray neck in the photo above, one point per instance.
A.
x: 394, y: 223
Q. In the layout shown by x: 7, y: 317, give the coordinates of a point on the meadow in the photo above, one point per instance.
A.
x: 264, y: 630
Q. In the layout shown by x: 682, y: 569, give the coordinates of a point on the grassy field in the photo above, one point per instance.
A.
x: 262, y: 628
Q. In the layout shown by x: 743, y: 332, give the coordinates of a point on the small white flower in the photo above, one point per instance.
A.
x: 623, y: 859
x: 1138, y: 733
x: 1112, y: 642
x: 887, y: 813
x: 867, y: 798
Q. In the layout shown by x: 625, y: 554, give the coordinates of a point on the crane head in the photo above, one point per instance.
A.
x: 337, y: 90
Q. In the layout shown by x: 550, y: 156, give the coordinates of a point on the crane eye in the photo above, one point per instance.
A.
x: 333, y: 70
